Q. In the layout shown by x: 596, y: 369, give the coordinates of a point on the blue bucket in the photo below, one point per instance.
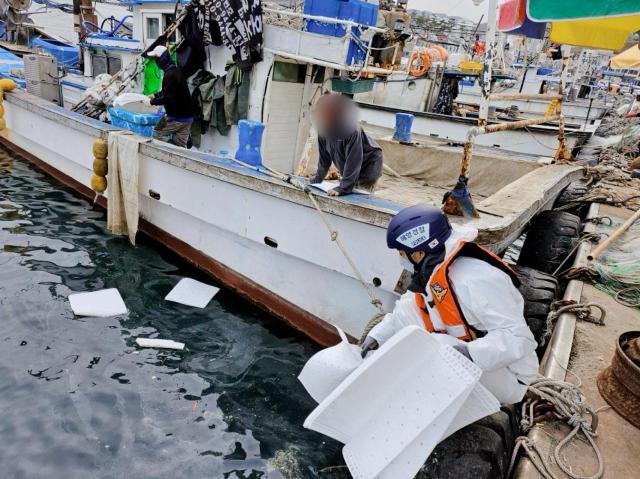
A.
x: 404, y: 122
x: 249, y: 142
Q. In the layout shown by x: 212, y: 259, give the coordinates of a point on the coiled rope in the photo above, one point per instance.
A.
x: 569, y: 405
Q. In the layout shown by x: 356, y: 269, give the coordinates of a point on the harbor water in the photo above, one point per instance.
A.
x: 78, y: 399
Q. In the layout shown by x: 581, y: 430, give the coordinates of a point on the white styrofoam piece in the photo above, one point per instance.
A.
x: 326, y: 369
x: 103, y: 303
x: 159, y: 343
x: 479, y: 403
x: 411, y: 384
x: 192, y: 293
x: 329, y: 185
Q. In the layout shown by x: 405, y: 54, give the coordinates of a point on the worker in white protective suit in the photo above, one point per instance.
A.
x: 464, y: 294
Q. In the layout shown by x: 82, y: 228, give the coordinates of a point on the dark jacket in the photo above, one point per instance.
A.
x: 174, y: 95
x: 357, y: 157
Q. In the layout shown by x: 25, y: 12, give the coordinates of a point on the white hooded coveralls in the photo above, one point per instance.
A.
x: 489, y: 302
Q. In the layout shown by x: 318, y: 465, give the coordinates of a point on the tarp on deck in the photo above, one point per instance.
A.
x: 627, y: 59
x: 10, y: 64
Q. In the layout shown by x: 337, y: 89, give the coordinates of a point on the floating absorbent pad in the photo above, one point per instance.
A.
x: 328, y: 368
x: 192, y: 293
x: 159, y: 343
x: 394, y: 408
x: 106, y: 302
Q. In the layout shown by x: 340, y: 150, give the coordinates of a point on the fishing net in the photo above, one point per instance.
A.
x: 619, y: 267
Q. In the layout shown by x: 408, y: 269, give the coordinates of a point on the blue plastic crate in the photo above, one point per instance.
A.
x: 140, y: 123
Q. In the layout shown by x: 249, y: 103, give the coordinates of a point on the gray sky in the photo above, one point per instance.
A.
x: 461, y: 8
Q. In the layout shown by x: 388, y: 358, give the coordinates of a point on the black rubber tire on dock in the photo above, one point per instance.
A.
x: 539, y: 291
x: 474, y: 452
x: 569, y: 199
x: 551, y: 237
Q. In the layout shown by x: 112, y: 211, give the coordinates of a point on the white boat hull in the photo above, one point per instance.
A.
x: 211, y: 218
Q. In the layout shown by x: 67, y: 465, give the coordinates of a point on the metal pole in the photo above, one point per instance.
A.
x: 485, y: 78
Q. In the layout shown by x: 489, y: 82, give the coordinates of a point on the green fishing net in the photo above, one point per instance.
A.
x: 619, y: 266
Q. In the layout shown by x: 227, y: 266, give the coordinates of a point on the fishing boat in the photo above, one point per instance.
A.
x: 266, y: 238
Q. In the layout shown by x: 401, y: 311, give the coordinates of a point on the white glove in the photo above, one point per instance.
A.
x: 146, y: 101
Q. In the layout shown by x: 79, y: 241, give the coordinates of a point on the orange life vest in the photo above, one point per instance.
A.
x: 444, y: 298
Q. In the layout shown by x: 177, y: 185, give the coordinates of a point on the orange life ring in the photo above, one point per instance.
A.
x: 443, y: 53
x: 418, y: 71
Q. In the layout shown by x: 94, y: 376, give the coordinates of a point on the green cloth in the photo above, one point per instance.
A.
x: 550, y: 10
x: 207, y: 91
x: 152, y: 77
x: 236, y: 94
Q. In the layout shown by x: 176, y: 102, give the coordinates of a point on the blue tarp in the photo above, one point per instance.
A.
x: 66, y: 55
x: 8, y: 62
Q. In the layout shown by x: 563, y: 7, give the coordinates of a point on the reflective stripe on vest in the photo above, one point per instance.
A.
x: 444, y: 299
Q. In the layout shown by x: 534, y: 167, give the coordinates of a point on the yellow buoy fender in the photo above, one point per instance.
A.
x: 7, y: 84
x: 3, y: 124
x: 98, y: 183
x: 1, y: 110
x: 100, y: 149
x: 100, y: 166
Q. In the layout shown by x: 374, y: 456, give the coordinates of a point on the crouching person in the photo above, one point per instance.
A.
x: 465, y: 295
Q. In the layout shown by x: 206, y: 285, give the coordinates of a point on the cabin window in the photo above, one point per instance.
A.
x: 114, y: 64
x: 152, y: 28
x: 289, y: 72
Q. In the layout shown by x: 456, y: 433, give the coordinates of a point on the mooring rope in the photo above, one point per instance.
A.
x: 333, y: 232
x: 570, y: 405
x: 581, y: 310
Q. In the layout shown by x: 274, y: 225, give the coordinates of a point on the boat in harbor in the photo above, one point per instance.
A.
x: 261, y: 236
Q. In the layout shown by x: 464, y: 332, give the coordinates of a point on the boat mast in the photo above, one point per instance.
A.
x: 485, y: 79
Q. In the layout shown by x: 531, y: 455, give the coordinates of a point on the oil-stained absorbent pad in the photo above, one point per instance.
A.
x: 326, y: 369
x: 192, y: 293
x: 159, y: 343
x: 106, y: 302
x: 411, y: 388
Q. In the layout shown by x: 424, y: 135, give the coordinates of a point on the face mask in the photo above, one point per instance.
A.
x: 406, y: 264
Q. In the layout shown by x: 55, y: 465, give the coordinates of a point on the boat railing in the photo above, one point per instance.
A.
x: 302, y: 48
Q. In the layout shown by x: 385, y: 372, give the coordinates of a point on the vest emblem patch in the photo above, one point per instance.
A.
x: 439, y: 292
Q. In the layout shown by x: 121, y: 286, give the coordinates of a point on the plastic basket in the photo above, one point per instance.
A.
x: 340, y: 85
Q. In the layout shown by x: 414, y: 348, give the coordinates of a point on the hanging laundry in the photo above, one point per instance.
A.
x: 240, y: 23
x: 207, y: 93
x: 191, y: 52
x: 207, y: 24
x: 236, y: 94
x: 448, y: 93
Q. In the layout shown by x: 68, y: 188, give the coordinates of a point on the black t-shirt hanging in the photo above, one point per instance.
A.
x: 240, y: 23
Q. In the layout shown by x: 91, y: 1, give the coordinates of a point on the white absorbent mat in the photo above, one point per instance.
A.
x: 329, y: 185
x: 159, y: 343
x: 192, y: 293
x: 106, y: 302
x: 400, y: 403
x: 326, y: 369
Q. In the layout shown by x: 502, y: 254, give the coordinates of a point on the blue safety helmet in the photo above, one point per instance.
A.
x: 418, y: 228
